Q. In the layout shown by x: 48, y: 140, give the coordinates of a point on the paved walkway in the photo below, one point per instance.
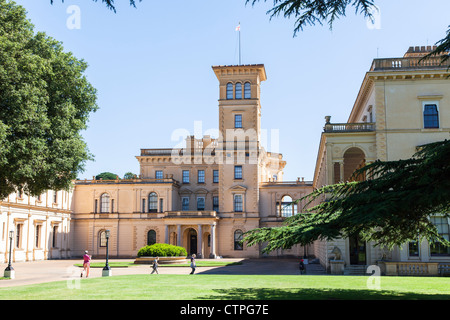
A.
x: 33, y: 272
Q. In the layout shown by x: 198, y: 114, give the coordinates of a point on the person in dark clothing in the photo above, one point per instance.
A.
x: 302, y: 267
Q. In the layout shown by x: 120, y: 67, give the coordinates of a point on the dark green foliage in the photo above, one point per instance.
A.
x: 391, y: 208
x: 45, y: 101
x: 162, y: 250
x: 106, y: 176
x: 110, y: 3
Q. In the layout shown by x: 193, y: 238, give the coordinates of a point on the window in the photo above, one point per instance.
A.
x: 238, y: 90
x: 238, y: 172
x: 112, y: 205
x: 161, y: 203
x: 430, y: 116
x: 158, y: 174
x: 437, y: 248
x: 237, y: 203
x: 55, y: 237
x: 55, y: 196
x: 413, y: 248
x: 238, y: 236
x: 185, y: 203
x: 95, y: 205
x: 38, y: 236
x: 288, y: 208
x: 200, y: 203
x: 153, y: 202
x: 216, y: 203
x: 185, y: 176
x: 104, y: 203
x: 103, y: 238
x: 18, y: 235
x: 143, y: 206
x: 201, y: 176
x: 229, y: 91
x: 247, y: 91
x: 215, y: 176
x: 151, y: 237
x: 238, y: 120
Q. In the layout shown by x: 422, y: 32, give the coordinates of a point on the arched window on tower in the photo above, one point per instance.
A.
x: 238, y: 236
x: 229, y: 91
x: 238, y: 90
x: 153, y: 202
x: 247, y: 91
x: 288, y: 208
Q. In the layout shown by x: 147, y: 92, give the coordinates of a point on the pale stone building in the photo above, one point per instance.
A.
x: 203, y: 196
x: 40, y: 225
x: 402, y: 104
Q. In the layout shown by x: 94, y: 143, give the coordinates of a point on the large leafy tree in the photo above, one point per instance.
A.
x: 45, y: 101
x: 393, y: 206
x: 310, y: 12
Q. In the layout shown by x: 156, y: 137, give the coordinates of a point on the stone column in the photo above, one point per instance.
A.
x: 199, y: 242
x: 178, y: 235
x: 166, y: 237
x: 213, y: 242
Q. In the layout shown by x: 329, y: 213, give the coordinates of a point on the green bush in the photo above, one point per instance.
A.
x: 162, y: 250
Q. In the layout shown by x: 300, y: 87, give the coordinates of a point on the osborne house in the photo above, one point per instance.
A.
x: 205, y: 195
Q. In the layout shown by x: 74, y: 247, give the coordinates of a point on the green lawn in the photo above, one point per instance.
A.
x: 234, y: 287
x: 126, y: 264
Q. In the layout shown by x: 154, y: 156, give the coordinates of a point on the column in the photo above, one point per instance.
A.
x: 199, y: 242
x: 213, y: 241
x: 341, y: 171
x: 166, y: 238
x: 178, y: 235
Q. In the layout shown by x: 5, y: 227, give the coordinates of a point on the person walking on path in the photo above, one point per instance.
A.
x: 193, y: 265
x: 86, y: 263
x: 155, y: 265
x: 302, y: 267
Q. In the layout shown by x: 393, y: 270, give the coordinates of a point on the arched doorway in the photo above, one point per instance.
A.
x: 191, y: 241
x: 357, y: 248
x: 354, y: 159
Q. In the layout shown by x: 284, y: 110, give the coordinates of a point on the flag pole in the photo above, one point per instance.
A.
x: 239, y: 43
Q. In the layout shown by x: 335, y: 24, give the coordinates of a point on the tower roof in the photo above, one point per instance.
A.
x: 240, y: 69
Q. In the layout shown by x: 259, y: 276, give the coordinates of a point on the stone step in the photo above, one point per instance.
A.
x: 315, y: 269
x: 355, y: 270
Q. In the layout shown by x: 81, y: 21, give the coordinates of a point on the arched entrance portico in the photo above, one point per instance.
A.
x: 191, y: 241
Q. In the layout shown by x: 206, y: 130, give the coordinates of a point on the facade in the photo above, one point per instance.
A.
x: 203, y: 196
x: 206, y: 195
x: 403, y: 103
x: 41, y: 226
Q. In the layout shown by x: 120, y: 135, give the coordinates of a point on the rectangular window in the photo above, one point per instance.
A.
x: 55, y: 197
x: 430, y: 116
x: 55, y: 237
x: 143, y: 206
x: 161, y: 203
x: 437, y: 248
x: 237, y: 203
x: 38, y: 236
x: 215, y: 203
x: 215, y: 176
x: 18, y: 235
x: 413, y: 249
x: 201, y: 176
x: 238, y: 120
x: 158, y: 174
x: 185, y: 203
x: 200, y: 203
x: 185, y: 176
x: 238, y: 172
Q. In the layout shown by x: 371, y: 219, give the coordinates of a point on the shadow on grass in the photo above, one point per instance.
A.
x: 318, y: 294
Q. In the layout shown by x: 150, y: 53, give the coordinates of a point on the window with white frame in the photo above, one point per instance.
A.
x: 229, y: 91
x: 442, y: 225
x: 185, y: 203
x: 104, y: 203
x: 238, y: 93
x: 200, y: 203
x: 247, y: 90
x: 237, y: 203
x: 152, y: 202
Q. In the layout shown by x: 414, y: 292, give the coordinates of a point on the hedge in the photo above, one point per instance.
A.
x: 162, y: 250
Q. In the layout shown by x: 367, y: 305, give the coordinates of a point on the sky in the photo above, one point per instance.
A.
x: 151, y: 66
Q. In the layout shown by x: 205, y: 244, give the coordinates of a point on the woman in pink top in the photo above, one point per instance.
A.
x: 86, y: 264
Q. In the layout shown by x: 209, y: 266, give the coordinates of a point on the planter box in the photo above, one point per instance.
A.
x: 161, y: 260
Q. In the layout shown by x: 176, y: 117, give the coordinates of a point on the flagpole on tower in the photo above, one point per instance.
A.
x: 238, y: 28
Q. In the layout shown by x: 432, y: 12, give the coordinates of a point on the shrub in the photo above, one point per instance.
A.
x: 162, y: 250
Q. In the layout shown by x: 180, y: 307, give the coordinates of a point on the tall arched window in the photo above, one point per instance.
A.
x: 288, y: 208
x: 238, y: 236
x: 229, y: 90
x: 247, y: 91
x: 238, y: 90
x: 102, y: 238
x: 151, y: 237
x: 104, y: 203
x: 153, y: 202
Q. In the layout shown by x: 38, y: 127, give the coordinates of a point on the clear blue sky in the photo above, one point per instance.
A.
x: 152, y: 68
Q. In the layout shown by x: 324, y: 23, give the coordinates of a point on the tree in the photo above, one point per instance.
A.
x: 110, y: 3
x: 129, y: 175
x: 45, y: 101
x: 310, y: 12
x: 392, y: 207
x: 106, y: 176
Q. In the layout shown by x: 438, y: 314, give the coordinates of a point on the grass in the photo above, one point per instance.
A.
x: 233, y: 287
